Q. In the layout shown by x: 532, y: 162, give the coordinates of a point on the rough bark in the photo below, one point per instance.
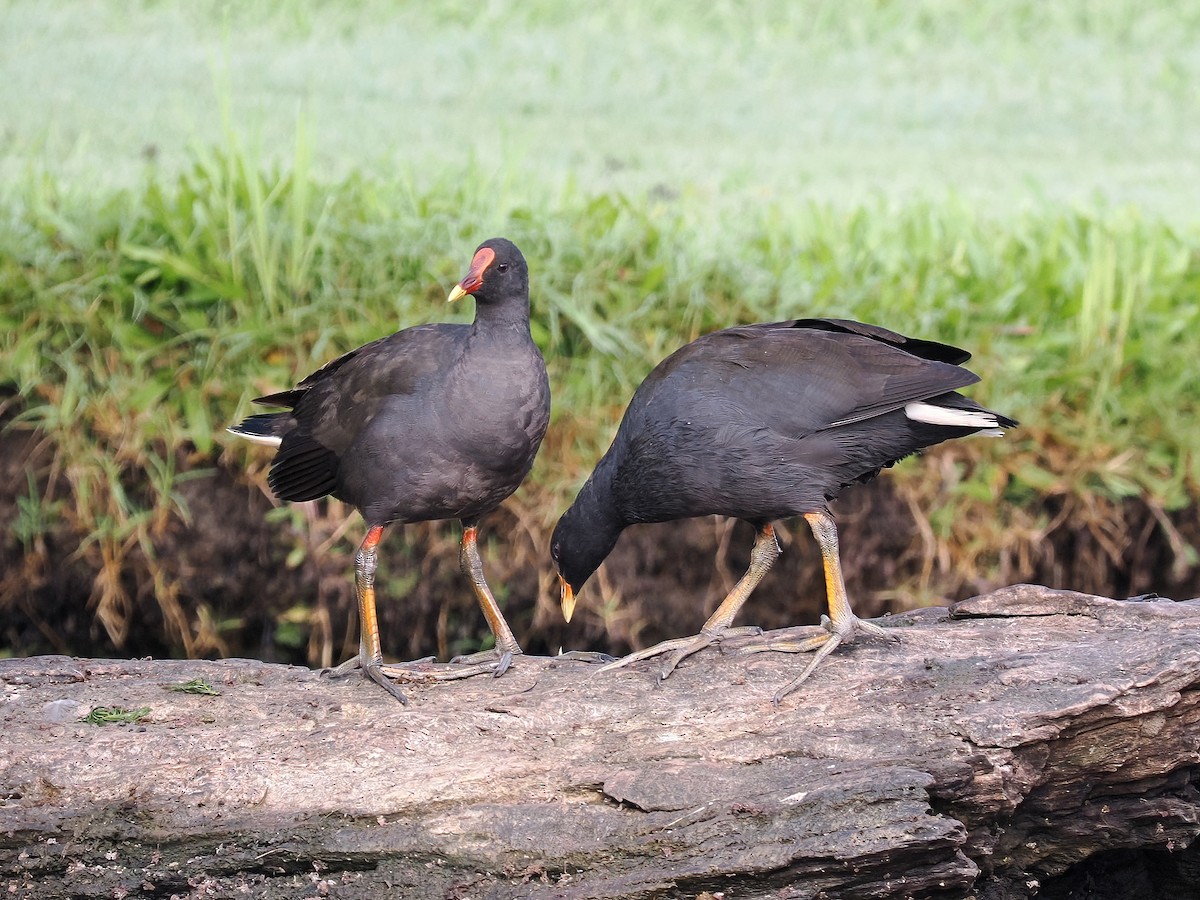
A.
x: 983, y: 752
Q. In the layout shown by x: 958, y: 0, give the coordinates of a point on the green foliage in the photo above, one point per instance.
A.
x: 136, y: 325
x: 195, y: 686
x: 115, y: 715
x: 1009, y: 103
x: 954, y: 171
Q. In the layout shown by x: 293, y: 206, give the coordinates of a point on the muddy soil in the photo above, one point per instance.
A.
x: 237, y: 579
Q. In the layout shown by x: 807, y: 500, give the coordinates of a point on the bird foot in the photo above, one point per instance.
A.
x: 354, y: 666
x: 492, y: 662
x: 373, y: 671
x: 834, y: 634
x: 498, y: 663
x: 380, y: 677
x: 589, y: 657
x: 682, y: 648
x: 424, y: 671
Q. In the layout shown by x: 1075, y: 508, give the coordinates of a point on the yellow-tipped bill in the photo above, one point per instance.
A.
x: 568, y: 599
x: 473, y: 280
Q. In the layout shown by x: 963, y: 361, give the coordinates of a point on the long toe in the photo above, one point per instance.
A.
x: 471, y: 659
x: 873, y: 630
x: 823, y: 650
x: 845, y: 632
x: 502, y: 664
x: 788, y: 645
x: 824, y: 642
x: 740, y: 631
x: 681, y: 648
x: 492, y: 661
x: 648, y: 653
x: 850, y: 627
x: 377, y: 675
x: 592, y: 657
x: 424, y: 671
x: 836, y: 636
x: 698, y: 643
x: 353, y: 666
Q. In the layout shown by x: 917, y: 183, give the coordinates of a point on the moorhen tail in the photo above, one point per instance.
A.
x: 764, y: 422
x: 437, y: 421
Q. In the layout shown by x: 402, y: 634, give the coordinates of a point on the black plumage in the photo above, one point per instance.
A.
x: 765, y: 422
x: 439, y: 421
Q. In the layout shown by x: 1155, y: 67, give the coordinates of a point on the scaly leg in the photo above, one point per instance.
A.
x: 843, y: 625
x: 370, y: 655
x: 498, y: 659
x: 495, y: 661
x: 762, y: 557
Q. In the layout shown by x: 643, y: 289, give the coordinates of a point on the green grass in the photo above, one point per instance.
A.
x: 212, y: 200
x: 137, y: 324
x: 142, y: 322
x: 115, y: 715
x: 195, y: 686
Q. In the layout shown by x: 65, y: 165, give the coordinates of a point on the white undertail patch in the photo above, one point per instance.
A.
x: 269, y: 440
x: 953, y: 418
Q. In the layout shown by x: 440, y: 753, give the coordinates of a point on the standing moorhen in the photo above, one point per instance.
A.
x: 763, y: 422
x: 436, y: 421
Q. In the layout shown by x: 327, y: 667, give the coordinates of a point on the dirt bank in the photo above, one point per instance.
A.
x: 236, y: 577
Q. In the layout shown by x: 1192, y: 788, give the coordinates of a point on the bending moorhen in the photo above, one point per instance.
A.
x: 437, y: 421
x: 764, y: 422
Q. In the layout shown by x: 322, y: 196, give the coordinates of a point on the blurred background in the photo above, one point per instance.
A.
x: 201, y: 202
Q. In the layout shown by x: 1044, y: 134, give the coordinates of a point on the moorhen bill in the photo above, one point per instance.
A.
x: 437, y: 421
x: 765, y: 422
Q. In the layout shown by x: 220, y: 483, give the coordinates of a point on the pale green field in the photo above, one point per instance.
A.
x: 1010, y: 106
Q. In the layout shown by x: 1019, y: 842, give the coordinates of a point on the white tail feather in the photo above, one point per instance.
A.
x: 956, y: 418
x: 269, y: 440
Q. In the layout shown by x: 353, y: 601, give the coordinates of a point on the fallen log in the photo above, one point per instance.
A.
x: 989, y: 750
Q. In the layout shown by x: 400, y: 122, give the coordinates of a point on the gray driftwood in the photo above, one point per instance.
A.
x: 983, y: 751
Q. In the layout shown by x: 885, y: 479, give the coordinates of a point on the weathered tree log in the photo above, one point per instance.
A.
x: 982, y: 753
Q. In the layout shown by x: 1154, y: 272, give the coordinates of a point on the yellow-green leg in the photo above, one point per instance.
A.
x: 500, y: 658
x: 841, y: 624
x: 370, y: 654
x: 762, y: 557
x: 495, y: 661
